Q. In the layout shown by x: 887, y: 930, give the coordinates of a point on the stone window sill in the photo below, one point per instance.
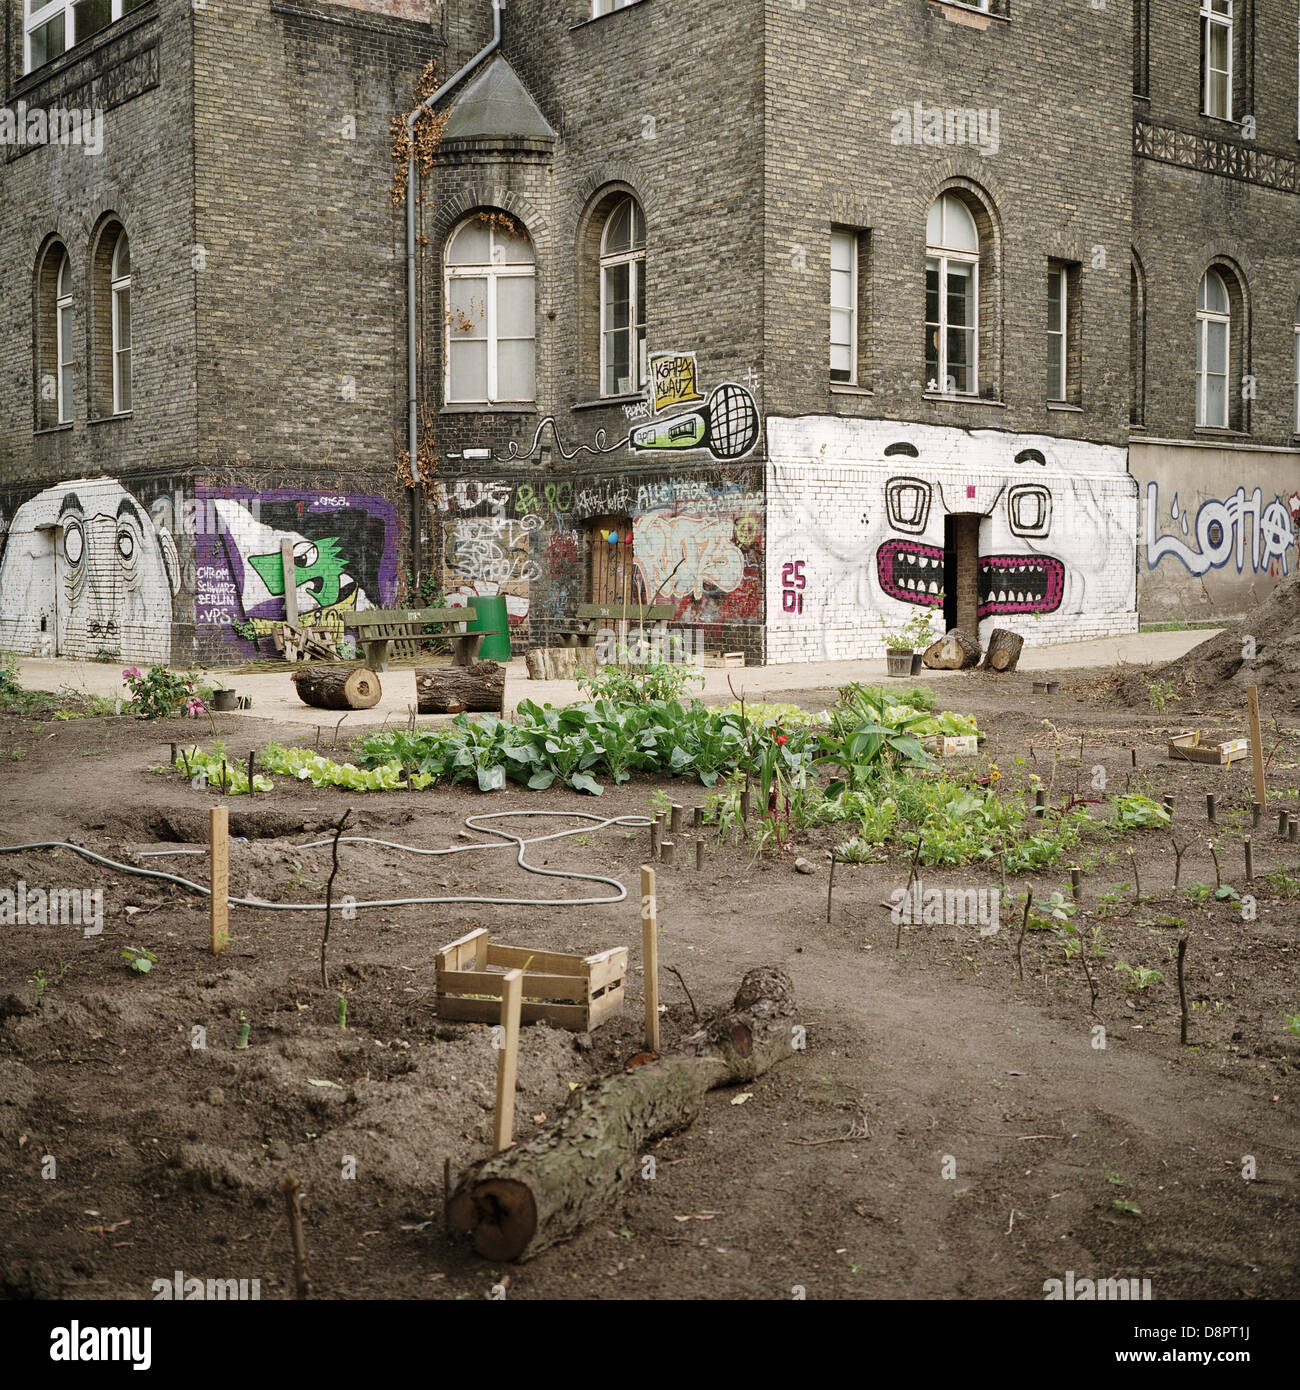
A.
x: 483, y: 408
x: 969, y: 15
x: 108, y: 419
x: 609, y: 14
x: 1215, y: 432
x: 54, y: 429
x: 962, y: 400
x: 850, y: 388
x: 1064, y: 405
x: 604, y: 402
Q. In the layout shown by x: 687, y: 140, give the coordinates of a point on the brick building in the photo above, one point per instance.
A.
x: 804, y: 317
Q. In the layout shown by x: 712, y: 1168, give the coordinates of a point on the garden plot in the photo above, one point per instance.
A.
x: 925, y: 1041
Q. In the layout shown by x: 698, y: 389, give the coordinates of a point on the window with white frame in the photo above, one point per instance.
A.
x: 1058, y: 317
x: 491, y: 280
x: 54, y: 26
x: 844, y: 307
x: 622, y: 300
x: 1216, y: 57
x: 120, y: 287
x: 1297, y: 367
x: 1213, y: 324
x: 951, y: 298
x: 63, y: 338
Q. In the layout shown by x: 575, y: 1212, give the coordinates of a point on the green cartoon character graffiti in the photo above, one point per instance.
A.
x: 319, y: 567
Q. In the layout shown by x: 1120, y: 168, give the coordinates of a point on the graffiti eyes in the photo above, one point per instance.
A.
x: 126, y: 546
x: 74, y: 543
x: 908, y: 503
x: 1029, y: 510
x: 305, y: 555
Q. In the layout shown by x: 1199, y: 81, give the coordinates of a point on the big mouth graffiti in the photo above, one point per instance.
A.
x: 914, y: 573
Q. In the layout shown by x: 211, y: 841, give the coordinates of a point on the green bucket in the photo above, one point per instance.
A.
x: 490, y: 616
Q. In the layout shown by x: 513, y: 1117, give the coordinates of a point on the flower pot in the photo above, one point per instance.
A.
x: 224, y: 700
x: 898, y: 661
x: 916, y: 664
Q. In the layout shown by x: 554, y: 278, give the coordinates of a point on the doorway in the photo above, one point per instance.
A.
x: 961, y: 550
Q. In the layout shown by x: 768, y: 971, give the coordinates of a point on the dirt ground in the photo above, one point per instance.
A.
x: 950, y: 1131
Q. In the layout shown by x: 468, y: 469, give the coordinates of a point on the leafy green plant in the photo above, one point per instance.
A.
x: 160, y: 693
x: 1134, y: 811
x: 917, y: 631
x: 140, y: 960
x: 1161, y: 693
x: 39, y: 982
x: 631, y: 681
x: 1140, y: 978
x: 1291, y: 1022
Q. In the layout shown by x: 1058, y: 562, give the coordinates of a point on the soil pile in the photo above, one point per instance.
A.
x: 1263, y: 650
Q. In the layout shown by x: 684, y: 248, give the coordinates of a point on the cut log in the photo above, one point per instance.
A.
x: 954, y: 651
x: 449, y: 689
x: 518, y: 1203
x: 1004, y: 650
x: 560, y: 663
x: 337, y: 687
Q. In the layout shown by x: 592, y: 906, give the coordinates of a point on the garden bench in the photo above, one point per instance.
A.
x: 378, y: 628
x: 592, y: 617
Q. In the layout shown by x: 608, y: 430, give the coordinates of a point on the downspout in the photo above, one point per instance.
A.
x: 412, y: 403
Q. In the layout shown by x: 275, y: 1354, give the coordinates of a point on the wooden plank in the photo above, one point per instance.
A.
x: 573, y: 1016
x: 650, y: 958
x: 611, y: 965
x: 628, y: 612
x: 219, y: 878
x: 1256, y: 743
x: 463, y: 950
x: 507, y: 1044
x: 553, y: 962
x: 566, y: 988
x: 289, y: 572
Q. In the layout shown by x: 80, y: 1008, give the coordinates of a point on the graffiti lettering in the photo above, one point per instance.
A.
x: 793, y: 584
x: 677, y: 556
x: 1225, y: 529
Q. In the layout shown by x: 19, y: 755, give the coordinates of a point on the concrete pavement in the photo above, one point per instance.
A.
x: 274, y: 696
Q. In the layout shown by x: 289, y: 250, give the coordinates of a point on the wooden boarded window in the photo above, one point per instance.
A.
x: 609, y: 542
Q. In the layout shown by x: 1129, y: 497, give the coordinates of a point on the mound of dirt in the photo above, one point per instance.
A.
x: 1263, y: 650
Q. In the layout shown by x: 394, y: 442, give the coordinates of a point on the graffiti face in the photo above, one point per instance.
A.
x: 319, y: 571
x: 87, y: 569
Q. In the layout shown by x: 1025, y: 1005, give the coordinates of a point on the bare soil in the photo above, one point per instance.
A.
x: 950, y: 1131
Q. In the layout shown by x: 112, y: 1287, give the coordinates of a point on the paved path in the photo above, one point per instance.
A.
x: 274, y: 696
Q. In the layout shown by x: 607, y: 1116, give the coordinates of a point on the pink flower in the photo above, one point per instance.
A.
x: 195, y: 707
x: 130, y: 671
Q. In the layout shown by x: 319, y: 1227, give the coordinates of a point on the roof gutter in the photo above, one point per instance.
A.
x: 412, y: 403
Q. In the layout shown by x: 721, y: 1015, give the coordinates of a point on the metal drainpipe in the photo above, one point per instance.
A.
x: 412, y: 403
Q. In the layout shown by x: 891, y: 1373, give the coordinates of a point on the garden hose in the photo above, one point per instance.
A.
x: 506, y: 840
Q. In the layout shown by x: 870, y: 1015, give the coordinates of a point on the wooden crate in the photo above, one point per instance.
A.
x: 722, y: 660
x: 576, y: 992
x: 952, y: 745
x: 1187, y: 747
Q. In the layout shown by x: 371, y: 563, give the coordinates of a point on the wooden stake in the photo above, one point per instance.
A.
x: 675, y: 823
x: 1211, y: 807
x: 650, y: 958
x: 1292, y: 826
x: 1076, y: 874
x: 173, y: 755
x: 1256, y: 743
x: 290, y: 583
x: 1282, y: 818
x: 252, y: 758
x: 1169, y: 806
x: 668, y: 853
x: 698, y: 820
x: 1135, y: 756
x: 830, y: 886
x: 1256, y: 815
x: 293, y: 1200
x: 699, y: 854
x: 654, y: 838
x: 744, y: 812
x: 1182, y: 990
x: 503, y: 1124
x: 219, y: 878
x: 1250, y: 860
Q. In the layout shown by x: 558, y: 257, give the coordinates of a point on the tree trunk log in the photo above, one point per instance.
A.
x: 449, y: 689
x: 1004, y: 650
x: 954, y: 651
x: 337, y: 687
x: 518, y: 1202
x: 560, y: 663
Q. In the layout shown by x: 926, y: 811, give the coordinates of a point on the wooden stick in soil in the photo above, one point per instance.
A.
x: 668, y: 853
x: 1182, y: 990
x: 219, y: 878
x: 329, y: 898
x: 650, y: 957
x: 654, y: 838
x: 697, y: 820
x: 1211, y: 807
x: 830, y: 886
x: 699, y: 854
x: 173, y: 755
x: 1024, y: 926
x: 694, y: 1011
x: 507, y: 1043
x: 1256, y: 744
x: 1076, y: 874
x: 518, y: 1203
x: 1178, y: 860
x: 1087, y: 970
x: 675, y: 822
x: 1250, y: 859
x: 898, y: 935
x: 1218, y: 876
x: 293, y: 1201
x: 252, y: 758
x: 1137, y: 882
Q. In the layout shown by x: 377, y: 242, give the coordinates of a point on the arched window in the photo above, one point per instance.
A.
x: 491, y: 293
x: 622, y: 300
x: 63, y: 337
x: 1213, y: 328
x: 120, y: 289
x: 952, y: 256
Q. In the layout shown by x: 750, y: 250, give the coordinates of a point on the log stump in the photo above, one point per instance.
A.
x: 954, y: 651
x: 560, y: 663
x: 337, y: 687
x: 1004, y: 650
x: 450, y: 689
x: 517, y: 1203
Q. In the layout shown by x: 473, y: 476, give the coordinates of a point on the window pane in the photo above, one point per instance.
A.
x: 469, y: 362
x: 122, y: 324
x: 1055, y: 323
x: 618, y: 363
x: 1055, y: 368
x: 1217, y: 336
x: 514, y: 248
x: 471, y: 245
x: 959, y: 296
x: 515, y: 372
x: 1218, y: 105
x: 1216, y: 401
x: 932, y: 291
x: 90, y: 16
x: 960, y: 354
x: 841, y: 253
x: 123, y: 381
x: 515, y: 300
x: 618, y: 229
x: 467, y: 307
x: 121, y: 258
x: 48, y: 41
x: 618, y: 288
x: 841, y: 341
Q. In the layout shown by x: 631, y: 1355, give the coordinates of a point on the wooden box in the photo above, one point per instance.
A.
x: 722, y: 660
x: 952, y: 745
x: 576, y: 992
x: 1187, y: 747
